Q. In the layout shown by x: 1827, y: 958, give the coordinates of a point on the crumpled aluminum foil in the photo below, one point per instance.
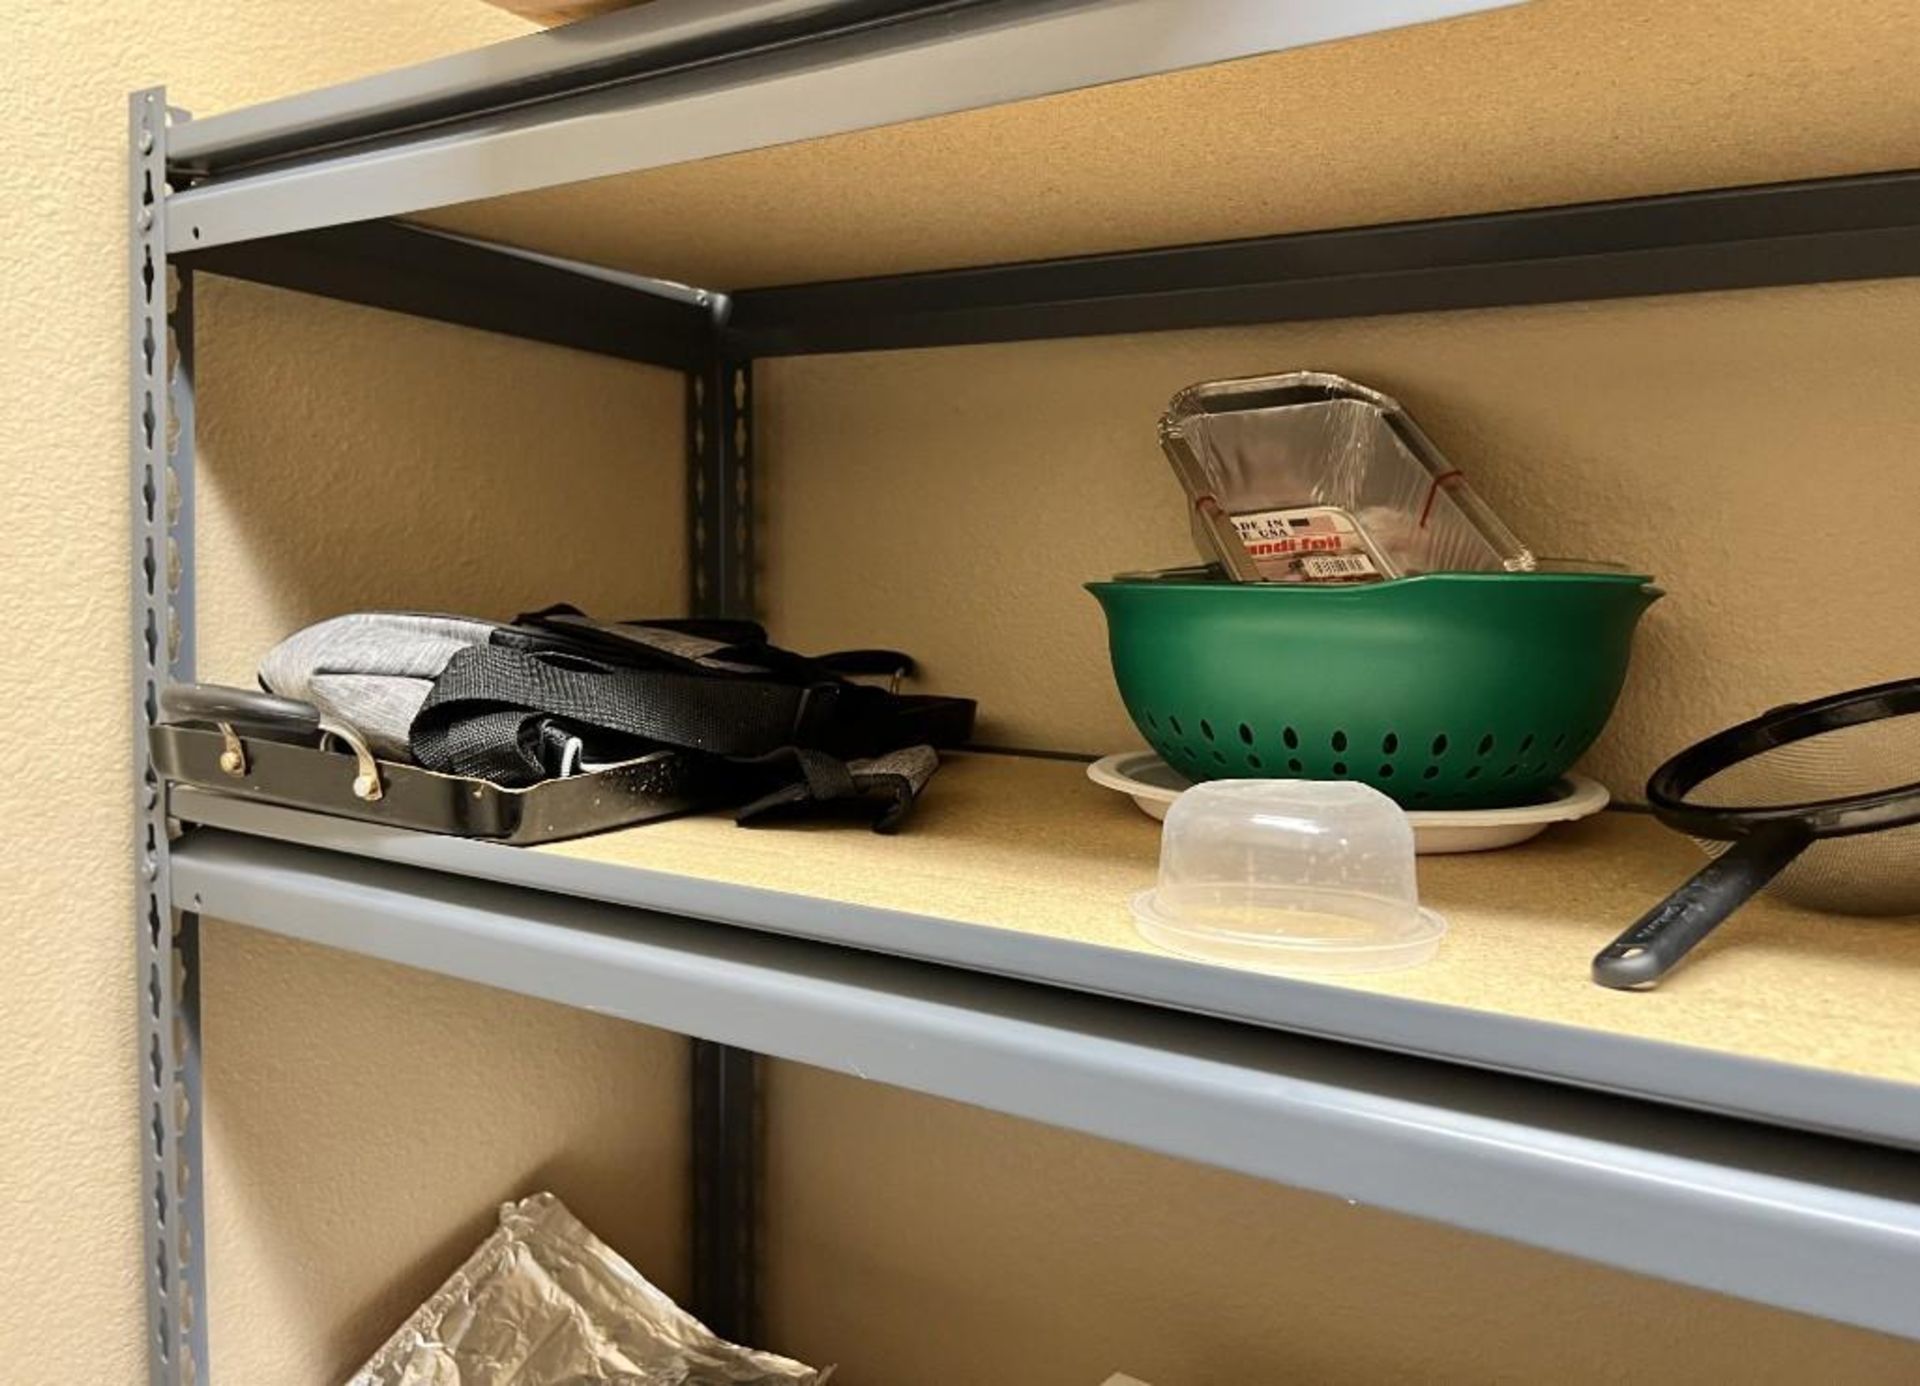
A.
x: 544, y: 1302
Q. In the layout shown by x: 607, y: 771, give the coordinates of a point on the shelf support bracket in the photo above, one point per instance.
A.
x: 167, y: 939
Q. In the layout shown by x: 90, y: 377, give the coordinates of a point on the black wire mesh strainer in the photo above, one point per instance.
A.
x: 1819, y: 800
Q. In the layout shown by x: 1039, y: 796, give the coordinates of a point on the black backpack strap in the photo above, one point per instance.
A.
x: 884, y: 788
x: 485, y: 715
x: 735, y: 643
x: 571, y: 623
x: 863, y: 721
x: 511, y: 712
x: 855, y: 663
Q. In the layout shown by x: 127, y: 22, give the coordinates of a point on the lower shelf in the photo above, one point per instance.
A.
x: 1022, y: 868
x: 1802, y: 1222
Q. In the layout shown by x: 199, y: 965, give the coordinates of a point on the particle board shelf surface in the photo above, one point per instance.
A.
x: 1031, y: 846
x: 1550, y: 102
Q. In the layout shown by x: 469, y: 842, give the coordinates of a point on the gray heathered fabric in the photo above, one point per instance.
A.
x: 914, y: 764
x: 371, y: 670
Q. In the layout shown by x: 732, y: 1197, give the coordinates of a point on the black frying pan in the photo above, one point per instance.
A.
x: 1765, y: 840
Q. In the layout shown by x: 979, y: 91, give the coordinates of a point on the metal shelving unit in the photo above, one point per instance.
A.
x: 304, y: 194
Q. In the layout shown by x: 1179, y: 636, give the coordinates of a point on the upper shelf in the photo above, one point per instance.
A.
x: 1544, y: 104
x: 1021, y: 867
x: 1335, y: 180
x: 857, y: 154
x: 676, y: 82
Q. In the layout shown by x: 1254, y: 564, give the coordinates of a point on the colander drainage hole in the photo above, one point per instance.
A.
x: 1526, y: 743
x: 1339, y: 767
x: 1473, y: 772
x: 1295, y: 765
x: 1559, y: 741
x: 1253, y: 762
x: 1220, y: 758
x: 1507, y: 773
x: 1389, y: 744
x: 1339, y: 741
x: 1174, y: 722
x: 1291, y: 737
x: 1386, y: 772
x: 1432, y: 772
x: 1153, y: 721
x: 1486, y: 742
x: 1440, y: 744
x: 1206, y: 728
x: 1246, y: 733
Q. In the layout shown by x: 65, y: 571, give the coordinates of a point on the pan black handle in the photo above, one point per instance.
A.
x: 239, y: 707
x: 1668, y: 932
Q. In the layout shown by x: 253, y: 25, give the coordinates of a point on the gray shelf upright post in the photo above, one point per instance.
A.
x: 161, y: 559
x: 725, y: 1106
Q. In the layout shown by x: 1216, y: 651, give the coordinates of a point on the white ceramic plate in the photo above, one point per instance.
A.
x: 1153, y: 785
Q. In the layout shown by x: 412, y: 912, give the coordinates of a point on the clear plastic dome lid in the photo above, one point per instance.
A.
x: 1292, y: 875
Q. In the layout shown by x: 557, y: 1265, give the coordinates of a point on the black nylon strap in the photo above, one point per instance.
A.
x: 866, y: 721
x: 826, y: 776
x: 485, y: 713
x: 780, y: 725
x: 737, y: 642
x: 883, y: 790
x: 881, y: 662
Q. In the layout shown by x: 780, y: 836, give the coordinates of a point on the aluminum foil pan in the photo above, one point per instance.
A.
x: 1308, y: 477
x: 544, y: 1302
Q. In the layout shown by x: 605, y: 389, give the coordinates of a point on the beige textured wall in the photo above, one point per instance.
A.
x: 352, y: 1155
x: 364, y: 1120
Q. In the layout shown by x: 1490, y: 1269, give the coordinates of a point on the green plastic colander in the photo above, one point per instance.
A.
x: 1450, y: 690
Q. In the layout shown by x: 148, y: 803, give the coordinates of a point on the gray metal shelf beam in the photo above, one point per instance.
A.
x: 1799, y: 1222
x: 451, y: 279
x: 936, y: 63
x: 1814, y: 231
x: 630, y: 46
x: 1751, y: 1089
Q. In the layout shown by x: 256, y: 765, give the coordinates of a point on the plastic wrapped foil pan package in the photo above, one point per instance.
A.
x: 1309, y: 477
x: 544, y: 1302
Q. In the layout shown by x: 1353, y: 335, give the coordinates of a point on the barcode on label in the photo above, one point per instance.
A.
x: 1338, y: 566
